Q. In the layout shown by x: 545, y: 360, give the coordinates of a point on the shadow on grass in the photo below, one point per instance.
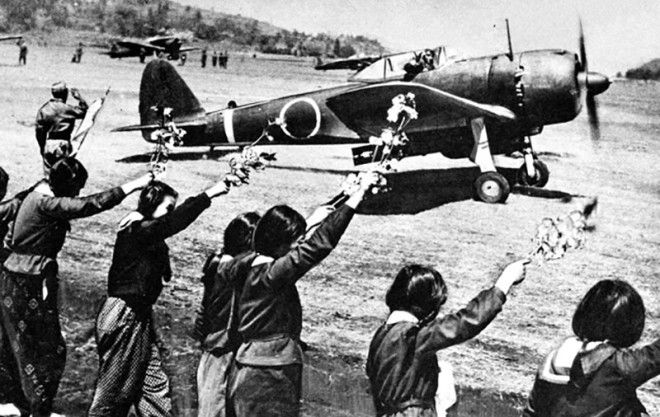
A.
x: 416, y: 191
x: 410, y: 191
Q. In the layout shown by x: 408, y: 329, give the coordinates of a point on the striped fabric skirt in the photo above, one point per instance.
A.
x: 130, y: 367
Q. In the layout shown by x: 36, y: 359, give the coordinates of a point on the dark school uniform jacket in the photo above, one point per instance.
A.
x: 596, y: 381
x: 42, y: 222
x: 8, y: 211
x: 212, y: 323
x: 56, y: 120
x: 269, y: 309
x: 402, y: 364
x: 141, y: 260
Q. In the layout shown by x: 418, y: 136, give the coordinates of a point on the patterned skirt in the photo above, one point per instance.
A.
x: 32, y: 349
x: 130, y: 367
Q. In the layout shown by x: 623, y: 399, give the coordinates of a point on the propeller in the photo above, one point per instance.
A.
x: 592, y: 83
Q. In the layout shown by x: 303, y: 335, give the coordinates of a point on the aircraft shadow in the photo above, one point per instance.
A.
x: 178, y: 156
x: 416, y: 191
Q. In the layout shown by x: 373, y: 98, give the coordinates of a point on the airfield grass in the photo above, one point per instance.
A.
x: 343, y: 298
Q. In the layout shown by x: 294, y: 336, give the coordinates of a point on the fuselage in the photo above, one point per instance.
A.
x: 540, y: 87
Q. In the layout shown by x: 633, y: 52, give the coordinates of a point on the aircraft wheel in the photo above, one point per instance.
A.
x: 541, y: 177
x: 492, y: 187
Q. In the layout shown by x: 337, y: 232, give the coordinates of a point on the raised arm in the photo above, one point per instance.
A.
x: 640, y: 365
x: 292, y: 266
x: 472, y: 319
x: 80, y: 110
x: 181, y: 217
x: 77, y: 207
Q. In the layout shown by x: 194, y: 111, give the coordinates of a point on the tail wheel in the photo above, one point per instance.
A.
x: 492, y: 187
x: 541, y: 177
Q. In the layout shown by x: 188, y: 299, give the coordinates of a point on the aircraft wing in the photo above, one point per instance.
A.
x: 364, y: 109
x: 189, y: 48
x: 134, y: 45
x: 10, y: 37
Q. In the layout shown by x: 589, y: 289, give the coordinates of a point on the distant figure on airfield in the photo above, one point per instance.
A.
x: 222, y: 60
x: 55, y: 122
x: 204, y: 55
x: 22, y: 52
x: 143, y: 55
x: 77, y: 55
x: 214, y: 58
x: 184, y: 56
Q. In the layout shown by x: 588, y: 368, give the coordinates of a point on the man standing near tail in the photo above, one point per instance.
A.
x: 55, y: 123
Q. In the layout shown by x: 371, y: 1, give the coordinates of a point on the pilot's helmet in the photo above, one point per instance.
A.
x: 60, y: 90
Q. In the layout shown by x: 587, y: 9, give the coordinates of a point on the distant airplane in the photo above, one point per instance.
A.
x: 467, y: 108
x: 358, y: 63
x: 10, y: 37
x: 169, y: 45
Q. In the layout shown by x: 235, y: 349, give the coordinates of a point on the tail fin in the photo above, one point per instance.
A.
x: 162, y: 86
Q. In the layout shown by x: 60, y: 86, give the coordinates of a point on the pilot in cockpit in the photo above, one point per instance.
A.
x: 421, y: 62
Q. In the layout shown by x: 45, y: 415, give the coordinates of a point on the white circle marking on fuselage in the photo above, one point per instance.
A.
x: 317, y: 113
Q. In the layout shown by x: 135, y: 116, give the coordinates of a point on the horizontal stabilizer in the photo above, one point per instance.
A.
x: 154, y: 126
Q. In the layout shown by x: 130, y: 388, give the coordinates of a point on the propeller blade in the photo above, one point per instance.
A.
x: 583, y: 49
x: 592, y: 112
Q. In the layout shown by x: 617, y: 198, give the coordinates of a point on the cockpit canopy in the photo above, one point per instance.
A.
x: 396, y: 66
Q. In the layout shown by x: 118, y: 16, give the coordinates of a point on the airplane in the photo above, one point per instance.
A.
x: 354, y: 63
x: 10, y: 37
x: 358, y: 63
x: 169, y: 45
x: 467, y: 108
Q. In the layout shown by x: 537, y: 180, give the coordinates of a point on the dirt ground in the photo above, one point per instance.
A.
x: 429, y: 219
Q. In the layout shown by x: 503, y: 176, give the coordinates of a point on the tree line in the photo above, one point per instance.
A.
x: 140, y: 18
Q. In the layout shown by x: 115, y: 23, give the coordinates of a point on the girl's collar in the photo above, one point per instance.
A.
x: 262, y: 259
x: 44, y: 188
x: 398, y: 316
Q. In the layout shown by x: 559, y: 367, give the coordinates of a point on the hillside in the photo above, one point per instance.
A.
x: 139, y: 18
x: 648, y: 71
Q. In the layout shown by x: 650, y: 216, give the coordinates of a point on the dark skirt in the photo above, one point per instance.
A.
x: 32, y: 349
x: 130, y: 368
x: 273, y: 391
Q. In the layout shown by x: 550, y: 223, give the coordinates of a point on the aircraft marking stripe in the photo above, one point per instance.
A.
x: 228, y: 122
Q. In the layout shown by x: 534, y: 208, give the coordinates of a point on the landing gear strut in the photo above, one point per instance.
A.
x: 490, y: 186
x: 533, y: 171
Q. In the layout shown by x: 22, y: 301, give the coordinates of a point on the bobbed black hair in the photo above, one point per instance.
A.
x: 4, y: 180
x: 419, y: 290
x: 280, y: 225
x: 152, y: 196
x: 238, y: 234
x: 67, y: 177
x: 611, y: 310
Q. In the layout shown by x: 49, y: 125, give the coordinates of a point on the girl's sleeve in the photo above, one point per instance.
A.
x: 640, y: 365
x: 8, y: 210
x: 77, y: 207
x: 173, y: 222
x: 464, y: 324
x: 292, y: 266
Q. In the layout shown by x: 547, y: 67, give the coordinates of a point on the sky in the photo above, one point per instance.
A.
x: 620, y: 34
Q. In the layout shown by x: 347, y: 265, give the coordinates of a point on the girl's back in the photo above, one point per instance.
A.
x: 595, y: 379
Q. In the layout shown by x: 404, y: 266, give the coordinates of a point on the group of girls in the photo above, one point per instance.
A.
x: 250, y: 319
